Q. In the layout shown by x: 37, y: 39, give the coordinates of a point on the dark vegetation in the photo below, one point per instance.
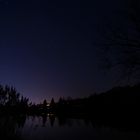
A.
x: 118, y: 107
x: 11, y: 101
x: 120, y: 44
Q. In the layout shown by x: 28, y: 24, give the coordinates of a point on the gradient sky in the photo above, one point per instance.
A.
x: 47, y: 49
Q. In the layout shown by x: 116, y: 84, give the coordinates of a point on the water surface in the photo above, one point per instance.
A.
x: 54, y: 128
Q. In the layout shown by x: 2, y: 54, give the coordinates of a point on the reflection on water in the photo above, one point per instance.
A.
x: 49, y: 127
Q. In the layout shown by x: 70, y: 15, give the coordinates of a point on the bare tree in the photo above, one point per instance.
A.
x: 123, y: 43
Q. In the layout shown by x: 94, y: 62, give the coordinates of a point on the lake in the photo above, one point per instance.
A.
x: 53, y: 128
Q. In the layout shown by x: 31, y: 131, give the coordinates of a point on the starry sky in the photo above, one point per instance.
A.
x: 47, y: 46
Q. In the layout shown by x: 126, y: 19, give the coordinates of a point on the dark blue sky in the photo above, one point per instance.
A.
x: 47, y: 49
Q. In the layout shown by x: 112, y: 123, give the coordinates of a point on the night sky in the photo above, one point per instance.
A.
x: 47, y: 46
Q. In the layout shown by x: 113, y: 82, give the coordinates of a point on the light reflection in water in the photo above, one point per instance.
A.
x: 50, y: 127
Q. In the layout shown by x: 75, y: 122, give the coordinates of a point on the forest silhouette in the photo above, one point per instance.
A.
x: 118, y: 107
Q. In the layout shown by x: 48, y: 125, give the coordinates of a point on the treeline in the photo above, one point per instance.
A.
x: 117, y: 107
x: 11, y: 101
x: 119, y: 100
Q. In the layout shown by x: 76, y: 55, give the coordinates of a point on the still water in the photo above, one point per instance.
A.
x: 53, y: 128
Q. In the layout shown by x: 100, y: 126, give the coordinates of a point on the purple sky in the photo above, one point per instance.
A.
x: 47, y: 49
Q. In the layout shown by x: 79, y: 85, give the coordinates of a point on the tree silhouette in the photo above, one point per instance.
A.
x: 9, y: 97
x: 45, y: 103
x: 3, y: 95
x: 44, y: 106
x: 24, y: 102
x: 52, y: 102
x: 52, y: 105
x: 122, y: 41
